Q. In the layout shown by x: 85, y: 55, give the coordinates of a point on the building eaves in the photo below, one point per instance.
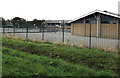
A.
x: 96, y: 11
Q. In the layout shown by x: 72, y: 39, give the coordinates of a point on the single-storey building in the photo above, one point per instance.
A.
x: 100, y: 23
x: 57, y: 24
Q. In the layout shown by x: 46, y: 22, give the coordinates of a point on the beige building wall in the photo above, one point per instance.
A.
x: 77, y: 29
x: 93, y: 29
x: 106, y: 30
x: 109, y: 30
x: 87, y: 30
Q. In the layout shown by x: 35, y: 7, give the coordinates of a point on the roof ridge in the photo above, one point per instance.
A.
x: 99, y: 11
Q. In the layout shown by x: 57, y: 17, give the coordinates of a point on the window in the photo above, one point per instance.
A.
x: 108, y: 20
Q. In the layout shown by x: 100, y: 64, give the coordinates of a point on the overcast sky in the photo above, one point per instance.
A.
x: 53, y: 9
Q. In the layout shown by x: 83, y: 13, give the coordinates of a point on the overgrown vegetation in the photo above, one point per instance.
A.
x: 95, y: 61
x: 17, y: 63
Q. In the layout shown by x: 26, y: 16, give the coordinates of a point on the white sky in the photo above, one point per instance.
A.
x: 53, y: 9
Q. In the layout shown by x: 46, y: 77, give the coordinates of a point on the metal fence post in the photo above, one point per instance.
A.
x: 118, y: 36
x: 27, y: 32
x: 63, y: 32
x: 14, y: 30
x: 3, y: 29
x: 39, y: 29
x: 43, y: 33
x: 90, y: 36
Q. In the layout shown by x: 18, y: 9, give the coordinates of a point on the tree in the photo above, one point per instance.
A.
x: 38, y: 23
x: 3, y: 23
x: 19, y: 22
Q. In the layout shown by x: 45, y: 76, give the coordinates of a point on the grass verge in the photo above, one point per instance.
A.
x: 95, y: 59
x: 17, y: 63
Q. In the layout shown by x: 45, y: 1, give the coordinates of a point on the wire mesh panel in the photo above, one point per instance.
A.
x: 104, y: 35
x: 53, y: 33
x: 107, y: 38
x: 118, y: 47
x: 95, y: 31
x: 76, y: 36
x: 88, y: 32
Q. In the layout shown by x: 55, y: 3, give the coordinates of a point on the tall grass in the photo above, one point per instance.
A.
x: 17, y: 63
x: 95, y: 59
